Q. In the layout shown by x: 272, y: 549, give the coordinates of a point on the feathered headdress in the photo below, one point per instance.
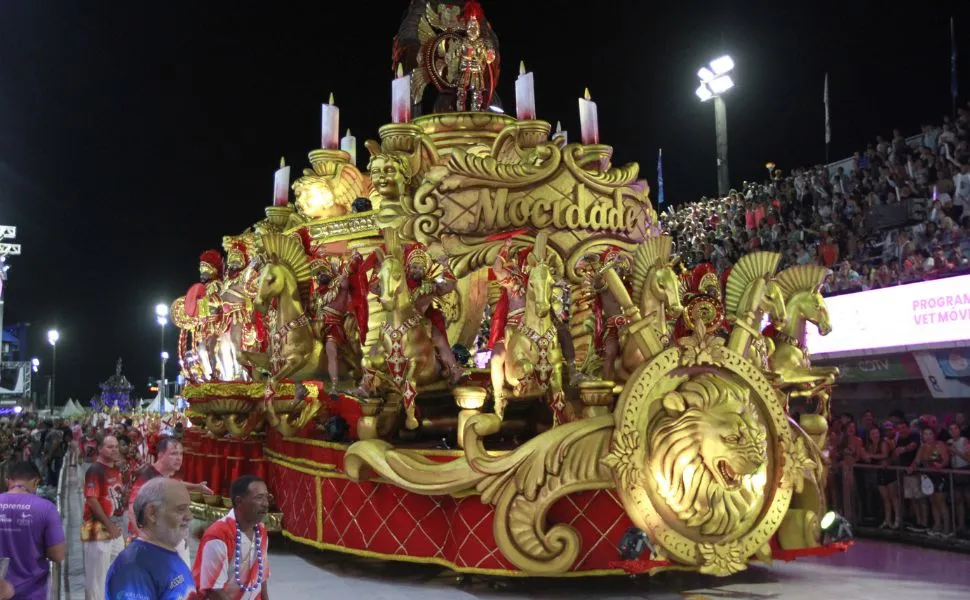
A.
x: 473, y: 10
x: 212, y: 258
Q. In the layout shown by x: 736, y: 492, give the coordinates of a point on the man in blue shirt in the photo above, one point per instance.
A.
x: 150, y: 567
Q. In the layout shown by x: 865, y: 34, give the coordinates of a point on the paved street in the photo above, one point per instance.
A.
x: 870, y: 570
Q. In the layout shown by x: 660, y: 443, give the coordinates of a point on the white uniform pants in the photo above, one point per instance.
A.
x: 98, y: 556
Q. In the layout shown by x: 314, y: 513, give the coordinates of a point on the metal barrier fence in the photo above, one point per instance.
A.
x: 58, y: 571
x: 956, y: 481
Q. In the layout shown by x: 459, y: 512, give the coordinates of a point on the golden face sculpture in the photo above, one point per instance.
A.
x: 235, y: 259
x: 707, y: 448
x: 474, y: 29
x: 389, y: 176
x: 207, y: 272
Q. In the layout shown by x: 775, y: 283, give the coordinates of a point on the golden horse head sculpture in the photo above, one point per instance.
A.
x: 800, y: 285
x: 405, y: 335
x: 751, y: 291
x: 285, y: 272
x: 656, y: 292
x: 285, y: 277
x: 394, y: 293
x: 533, y: 359
x: 656, y: 286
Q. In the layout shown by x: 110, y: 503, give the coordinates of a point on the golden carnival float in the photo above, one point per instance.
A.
x: 479, y: 352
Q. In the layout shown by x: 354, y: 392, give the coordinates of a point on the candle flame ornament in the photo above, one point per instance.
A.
x: 525, y: 95
x: 401, y: 97
x: 588, y: 120
x: 330, y: 125
x: 281, y: 184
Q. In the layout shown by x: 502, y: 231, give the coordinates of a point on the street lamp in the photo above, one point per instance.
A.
x: 161, y: 317
x: 161, y: 384
x: 52, y: 336
x: 715, y: 81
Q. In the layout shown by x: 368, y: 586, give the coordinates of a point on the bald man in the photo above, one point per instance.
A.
x: 150, y: 568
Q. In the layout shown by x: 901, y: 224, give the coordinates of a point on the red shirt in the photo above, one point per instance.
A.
x: 103, y: 483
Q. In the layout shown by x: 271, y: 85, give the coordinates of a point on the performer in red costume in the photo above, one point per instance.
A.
x: 339, y: 291
x: 609, y: 321
x: 425, y: 289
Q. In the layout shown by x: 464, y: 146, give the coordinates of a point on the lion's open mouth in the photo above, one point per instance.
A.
x: 730, y: 478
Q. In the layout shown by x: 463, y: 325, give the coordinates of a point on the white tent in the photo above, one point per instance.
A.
x: 160, y: 405
x: 71, y: 409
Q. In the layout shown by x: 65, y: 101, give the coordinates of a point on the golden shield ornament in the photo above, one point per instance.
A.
x: 698, y: 455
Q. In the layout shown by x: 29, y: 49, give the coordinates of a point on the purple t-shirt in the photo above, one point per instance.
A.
x: 29, y: 525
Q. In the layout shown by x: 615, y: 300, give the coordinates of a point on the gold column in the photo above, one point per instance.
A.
x: 597, y: 397
x: 470, y: 400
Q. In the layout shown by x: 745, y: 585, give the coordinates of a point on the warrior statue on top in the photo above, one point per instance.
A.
x: 476, y: 57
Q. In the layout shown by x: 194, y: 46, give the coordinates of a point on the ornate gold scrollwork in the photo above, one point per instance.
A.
x: 241, y: 426
x: 522, y: 485
x: 307, y: 405
x: 216, y: 425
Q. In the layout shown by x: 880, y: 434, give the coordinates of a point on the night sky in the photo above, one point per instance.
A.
x: 134, y: 135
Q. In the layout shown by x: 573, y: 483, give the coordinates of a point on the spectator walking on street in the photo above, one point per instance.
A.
x: 104, y: 511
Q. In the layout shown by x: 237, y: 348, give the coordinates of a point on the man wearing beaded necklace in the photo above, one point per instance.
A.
x: 233, y: 561
x: 150, y: 568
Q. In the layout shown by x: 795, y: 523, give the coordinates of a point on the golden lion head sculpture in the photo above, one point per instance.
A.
x: 706, y: 452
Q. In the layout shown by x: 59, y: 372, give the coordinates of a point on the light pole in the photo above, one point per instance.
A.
x: 161, y: 384
x: 161, y: 317
x: 34, y: 367
x: 715, y: 81
x: 52, y: 336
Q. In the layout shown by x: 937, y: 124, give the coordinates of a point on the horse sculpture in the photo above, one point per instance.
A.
x: 409, y: 354
x: 751, y: 291
x: 284, y: 278
x: 787, y: 354
x: 533, y: 358
x: 656, y: 292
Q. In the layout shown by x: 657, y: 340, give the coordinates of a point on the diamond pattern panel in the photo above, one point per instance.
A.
x: 296, y: 496
x: 382, y: 518
x: 600, y: 520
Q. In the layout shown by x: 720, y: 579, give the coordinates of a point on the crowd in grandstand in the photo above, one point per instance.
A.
x: 898, y: 214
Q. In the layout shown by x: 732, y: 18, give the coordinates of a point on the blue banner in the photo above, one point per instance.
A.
x: 660, y: 177
x: 954, y: 363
